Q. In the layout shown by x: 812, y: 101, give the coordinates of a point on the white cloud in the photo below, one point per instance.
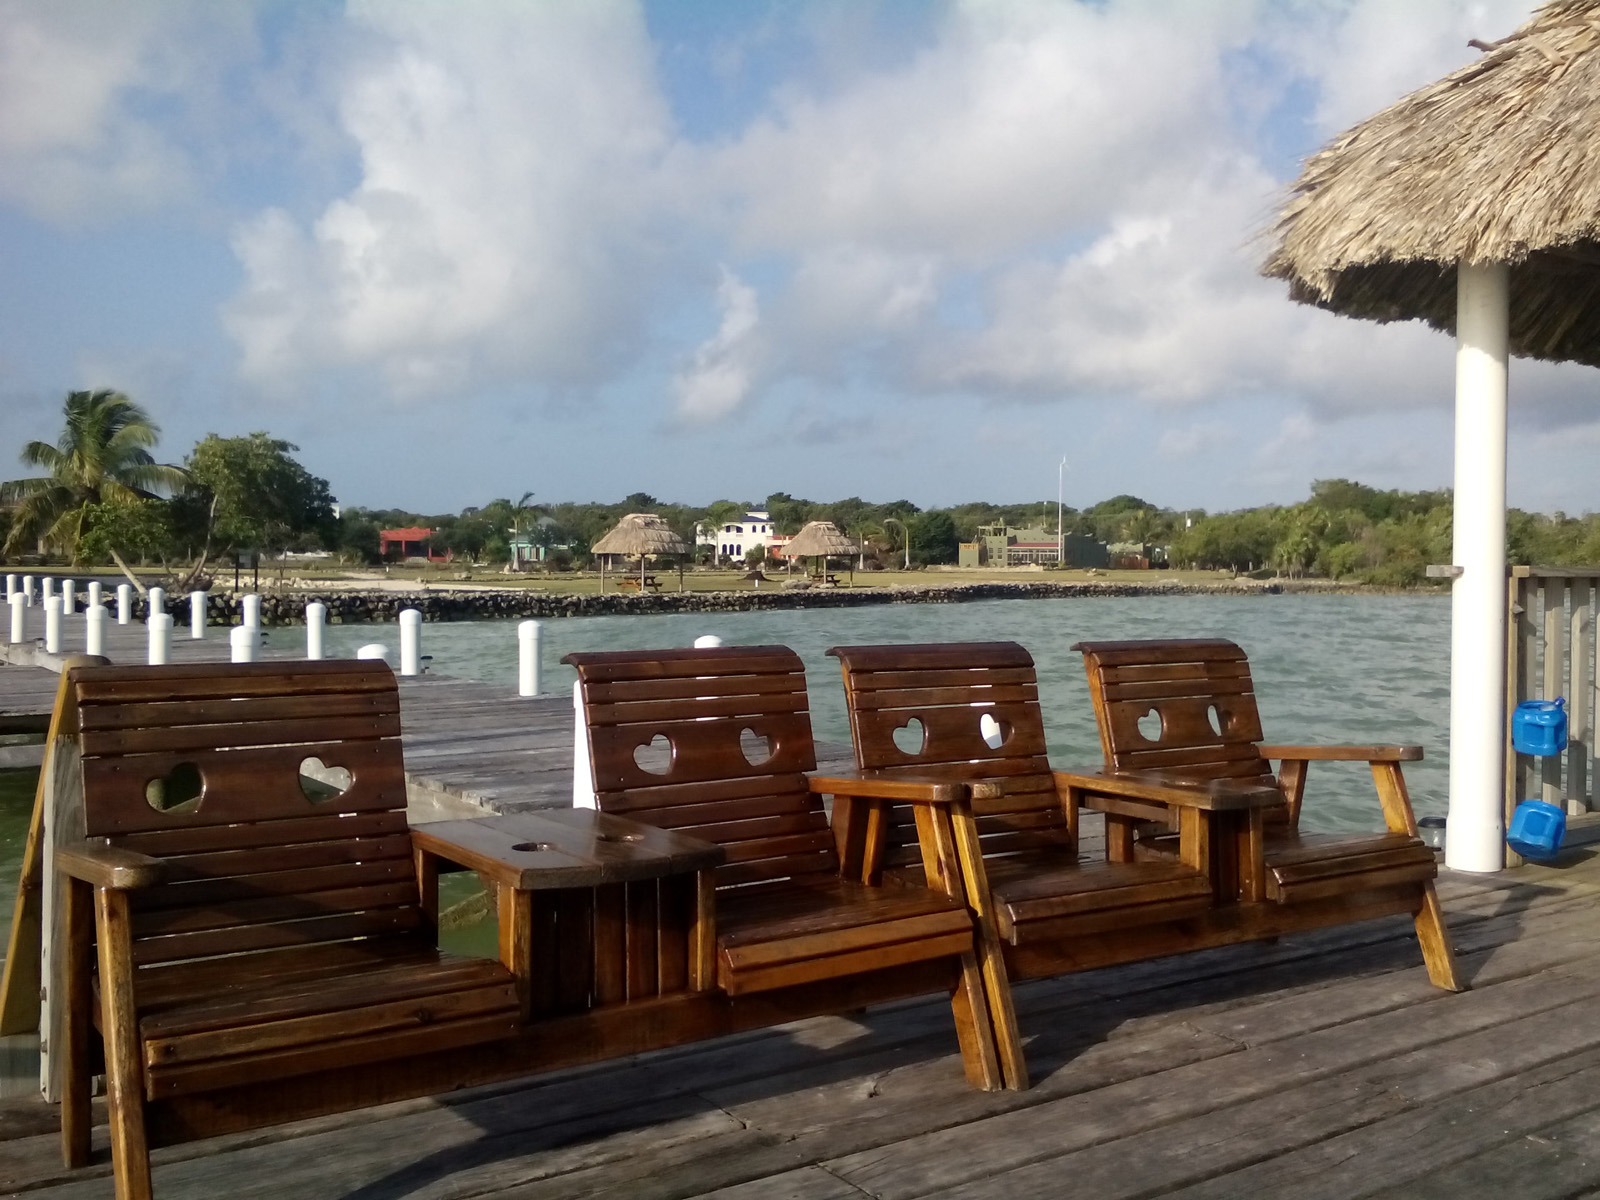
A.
x: 719, y: 380
x: 501, y: 227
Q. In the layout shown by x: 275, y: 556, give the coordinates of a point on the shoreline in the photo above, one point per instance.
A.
x: 360, y: 607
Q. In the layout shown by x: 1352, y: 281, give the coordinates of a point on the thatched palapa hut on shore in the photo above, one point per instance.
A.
x: 642, y: 536
x: 823, y: 540
x: 1472, y: 204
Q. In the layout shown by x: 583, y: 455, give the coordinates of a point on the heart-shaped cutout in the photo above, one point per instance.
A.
x: 994, y: 731
x: 655, y: 756
x: 1150, y: 726
x: 1215, y: 717
x: 758, y: 748
x: 911, y: 738
x: 179, y: 790
x: 322, y: 783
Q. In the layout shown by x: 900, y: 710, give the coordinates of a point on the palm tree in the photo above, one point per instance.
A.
x: 102, y: 457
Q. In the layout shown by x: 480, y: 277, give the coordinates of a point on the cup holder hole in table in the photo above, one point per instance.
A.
x: 619, y: 837
x: 532, y: 847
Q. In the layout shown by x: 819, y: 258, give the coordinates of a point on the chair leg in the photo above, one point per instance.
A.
x: 1437, y: 950
x: 130, y: 1152
x: 75, y: 1117
x: 974, y: 1029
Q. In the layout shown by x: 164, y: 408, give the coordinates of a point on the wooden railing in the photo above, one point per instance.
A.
x: 1550, y: 652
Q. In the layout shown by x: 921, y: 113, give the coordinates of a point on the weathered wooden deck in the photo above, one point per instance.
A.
x: 1320, y: 1066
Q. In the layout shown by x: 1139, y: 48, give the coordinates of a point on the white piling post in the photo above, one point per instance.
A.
x: 316, y: 616
x: 197, y: 615
x: 27, y: 590
x: 12, y: 584
x: 124, y: 603
x: 95, y: 591
x: 47, y: 587
x: 156, y: 602
x: 94, y: 629
x: 529, y: 658
x: 250, y: 611
x: 68, y: 600
x: 1475, y: 827
x: 374, y: 650
x: 19, y: 608
x: 582, y: 769
x: 159, y: 631
x: 242, y: 643
x: 707, y: 641
x: 410, y: 642
x: 52, y: 624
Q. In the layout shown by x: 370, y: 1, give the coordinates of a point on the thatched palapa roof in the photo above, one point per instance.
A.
x: 640, y: 534
x: 1497, y: 162
x: 820, y: 538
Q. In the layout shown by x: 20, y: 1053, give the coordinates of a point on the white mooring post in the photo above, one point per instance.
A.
x: 316, y: 617
x: 27, y: 590
x: 410, y: 641
x: 529, y: 658
x: 19, y: 610
x: 95, y: 591
x: 52, y: 624
x: 94, y: 629
x: 124, y: 603
x: 47, y: 587
x: 197, y: 615
x: 582, y: 769
x: 68, y: 598
x: 159, y: 632
x: 242, y: 644
x: 12, y: 584
x: 155, y: 601
x: 1475, y: 829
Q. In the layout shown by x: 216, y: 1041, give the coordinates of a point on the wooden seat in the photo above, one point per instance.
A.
x: 717, y: 744
x: 265, y: 950
x: 970, y: 711
x: 1186, y: 709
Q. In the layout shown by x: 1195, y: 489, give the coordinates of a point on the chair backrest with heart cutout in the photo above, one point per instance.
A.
x: 959, y: 710
x: 275, y: 792
x: 714, y: 743
x: 1185, y: 705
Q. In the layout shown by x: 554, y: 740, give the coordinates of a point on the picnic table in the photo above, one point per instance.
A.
x: 650, y: 583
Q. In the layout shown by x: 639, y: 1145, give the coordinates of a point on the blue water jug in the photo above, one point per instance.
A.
x: 1540, y: 727
x: 1537, y: 829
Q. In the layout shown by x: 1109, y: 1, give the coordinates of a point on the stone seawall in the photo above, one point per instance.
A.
x: 442, y: 604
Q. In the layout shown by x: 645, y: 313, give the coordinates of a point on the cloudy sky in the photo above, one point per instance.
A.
x: 720, y: 248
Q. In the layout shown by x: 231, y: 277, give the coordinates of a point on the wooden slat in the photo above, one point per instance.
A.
x: 207, y: 839
x: 285, y: 933
x: 275, y: 883
x: 172, y: 714
x: 243, y: 914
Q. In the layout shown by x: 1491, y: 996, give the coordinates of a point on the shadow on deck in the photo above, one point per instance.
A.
x: 1323, y: 1065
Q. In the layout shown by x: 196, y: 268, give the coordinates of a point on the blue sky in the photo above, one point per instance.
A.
x: 713, y: 249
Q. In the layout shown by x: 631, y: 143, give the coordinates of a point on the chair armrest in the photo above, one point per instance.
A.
x: 909, y: 788
x: 1366, y: 754
x: 109, y: 866
x: 1215, y: 795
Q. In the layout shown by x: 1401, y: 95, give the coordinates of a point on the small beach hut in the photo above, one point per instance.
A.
x: 639, y: 535
x: 1472, y: 204
x: 822, y: 540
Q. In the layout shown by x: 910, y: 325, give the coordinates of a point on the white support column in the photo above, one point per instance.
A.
x: 124, y: 603
x: 1475, y: 832
x: 27, y: 590
x: 316, y: 617
x: 95, y: 589
x: 19, y: 609
x: 13, y: 582
x: 69, y: 601
x: 158, y: 631
x: 94, y: 629
x: 197, y: 615
x: 528, y: 658
x: 155, y: 601
x: 242, y: 644
x: 410, y: 641
x: 52, y: 624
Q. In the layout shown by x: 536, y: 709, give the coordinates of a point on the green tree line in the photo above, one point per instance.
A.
x: 102, y: 496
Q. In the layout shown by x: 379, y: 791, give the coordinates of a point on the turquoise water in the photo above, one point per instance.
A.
x: 1327, y: 669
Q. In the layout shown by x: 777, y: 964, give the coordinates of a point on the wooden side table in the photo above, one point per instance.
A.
x: 594, y: 909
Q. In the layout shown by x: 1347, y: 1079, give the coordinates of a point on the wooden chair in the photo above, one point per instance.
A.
x: 1186, y: 709
x: 716, y: 743
x: 969, y: 712
x: 233, y: 855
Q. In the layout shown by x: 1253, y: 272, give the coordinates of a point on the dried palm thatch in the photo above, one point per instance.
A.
x: 820, y: 539
x: 1497, y: 162
x: 638, y: 535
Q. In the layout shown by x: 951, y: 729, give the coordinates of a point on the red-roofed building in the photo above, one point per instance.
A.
x: 409, y: 543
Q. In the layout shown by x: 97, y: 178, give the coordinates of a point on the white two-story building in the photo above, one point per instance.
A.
x: 742, y: 535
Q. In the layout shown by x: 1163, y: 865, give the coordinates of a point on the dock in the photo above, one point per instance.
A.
x: 1322, y: 1065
